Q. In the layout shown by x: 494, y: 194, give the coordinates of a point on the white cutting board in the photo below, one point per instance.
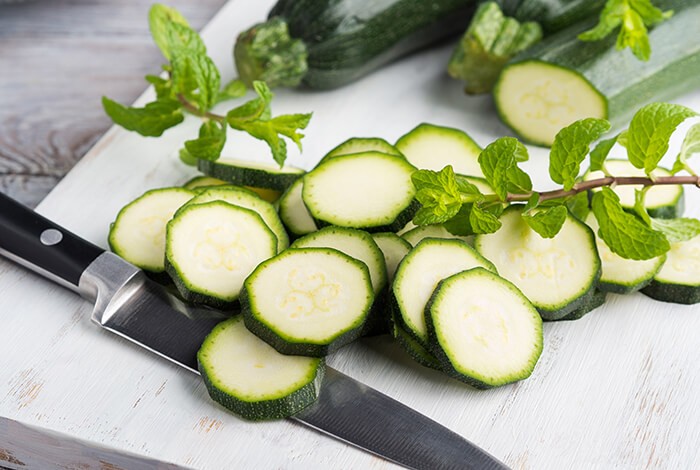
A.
x: 617, y: 389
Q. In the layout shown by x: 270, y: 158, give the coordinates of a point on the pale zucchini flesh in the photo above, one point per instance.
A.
x: 203, y: 181
x: 678, y: 281
x: 308, y: 301
x: 483, y: 330
x: 360, y: 145
x: 394, y: 248
x: 421, y: 270
x: 556, y: 274
x: 212, y: 248
x: 415, y: 235
x: 294, y: 213
x: 537, y: 99
x: 431, y: 147
x: 662, y: 201
x: 247, y: 199
x: 247, y: 376
x: 138, y: 233
x: 370, y: 191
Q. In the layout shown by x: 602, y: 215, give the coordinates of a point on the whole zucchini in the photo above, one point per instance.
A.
x: 563, y: 79
x: 329, y: 43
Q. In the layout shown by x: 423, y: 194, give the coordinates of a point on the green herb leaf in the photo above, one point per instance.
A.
x: 639, y: 206
x: 677, y: 230
x: 546, y: 221
x: 163, y: 87
x: 232, y: 90
x: 187, y: 158
x: 210, y: 143
x: 499, y: 163
x: 690, y: 146
x: 257, y: 108
x: 196, y: 77
x: 265, y: 130
x: 483, y: 221
x: 601, y: 152
x: 160, y: 20
x: 650, y: 131
x: 633, y: 17
x: 570, y: 148
x: 151, y: 120
x: 289, y: 124
x: 624, y: 233
x: 532, y: 202
x: 467, y: 189
x: 438, y: 193
x: 459, y: 224
x: 578, y: 205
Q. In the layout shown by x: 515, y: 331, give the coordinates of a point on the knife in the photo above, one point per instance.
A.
x: 131, y: 305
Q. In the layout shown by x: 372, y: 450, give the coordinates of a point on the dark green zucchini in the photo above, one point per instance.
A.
x: 552, y: 15
x: 563, y: 79
x: 329, y: 43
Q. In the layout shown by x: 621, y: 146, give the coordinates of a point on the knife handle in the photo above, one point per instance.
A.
x: 43, y: 246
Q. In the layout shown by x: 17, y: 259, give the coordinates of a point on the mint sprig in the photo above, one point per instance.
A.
x: 452, y: 200
x: 192, y: 85
x: 633, y: 17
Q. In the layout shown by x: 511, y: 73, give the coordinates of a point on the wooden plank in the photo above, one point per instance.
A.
x: 62, y: 57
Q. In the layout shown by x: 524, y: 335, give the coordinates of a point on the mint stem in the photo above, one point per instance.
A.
x: 607, y: 181
x: 192, y: 109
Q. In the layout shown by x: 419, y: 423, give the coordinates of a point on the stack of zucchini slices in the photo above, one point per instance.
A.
x: 471, y: 307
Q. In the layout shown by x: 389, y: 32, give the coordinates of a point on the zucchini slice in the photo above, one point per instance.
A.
x: 307, y: 301
x: 556, y: 274
x: 138, y: 233
x: 431, y: 147
x: 247, y: 376
x: 371, y: 191
x: 294, y: 213
x: 354, y: 243
x: 247, y: 199
x: 678, y: 281
x: 246, y: 173
x: 360, y: 145
x: 562, y: 79
x: 415, y: 235
x: 417, y: 351
x: 483, y: 330
x: 203, y: 181
x: 595, y: 299
x: 394, y: 249
x: 662, y: 201
x: 428, y: 263
x: 211, y: 249
x: 620, y: 275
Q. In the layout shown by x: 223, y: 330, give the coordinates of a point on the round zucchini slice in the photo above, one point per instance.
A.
x: 360, y: 145
x: 415, y: 235
x: 308, y: 301
x: 483, y: 330
x: 371, y: 191
x: 203, y: 181
x: 250, y: 378
x: 138, y: 233
x: 294, y: 213
x: 678, y: 281
x: 247, y: 173
x: 661, y: 201
x: 556, y: 274
x: 247, y: 199
x: 421, y: 270
x: 394, y: 249
x: 211, y: 249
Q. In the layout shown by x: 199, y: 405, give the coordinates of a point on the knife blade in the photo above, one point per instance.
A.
x: 133, y: 306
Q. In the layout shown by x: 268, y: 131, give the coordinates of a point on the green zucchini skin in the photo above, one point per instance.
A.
x: 674, y: 293
x: 553, y: 15
x: 625, y: 82
x: 346, y: 39
x: 249, y: 176
x: 595, y: 299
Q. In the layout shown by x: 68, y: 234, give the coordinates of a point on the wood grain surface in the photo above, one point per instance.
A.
x: 57, y: 58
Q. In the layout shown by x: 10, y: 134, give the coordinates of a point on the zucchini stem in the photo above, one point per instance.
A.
x: 606, y: 181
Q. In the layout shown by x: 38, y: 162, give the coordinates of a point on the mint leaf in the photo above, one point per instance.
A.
x: 160, y: 21
x: 210, y: 143
x: 459, y: 224
x: 546, y: 221
x: 187, y: 158
x: 633, y: 34
x: 601, y: 152
x: 610, y: 18
x: 639, y: 206
x: 163, y: 87
x: 151, y: 120
x: 570, y: 148
x: 257, y: 108
x: 532, y: 202
x: 232, y: 90
x: 677, y: 230
x: 196, y: 77
x: 289, y: 124
x: 578, y: 205
x: 444, y: 180
x: 624, y: 233
x: 482, y: 221
x: 264, y: 130
x: 499, y: 161
x: 465, y: 187
x: 650, y: 131
x: 690, y: 146
x: 438, y: 194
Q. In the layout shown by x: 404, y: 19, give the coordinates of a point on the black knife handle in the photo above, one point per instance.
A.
x: 41, y: 245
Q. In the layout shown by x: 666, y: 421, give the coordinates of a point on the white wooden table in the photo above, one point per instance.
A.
x: 616, y: 389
